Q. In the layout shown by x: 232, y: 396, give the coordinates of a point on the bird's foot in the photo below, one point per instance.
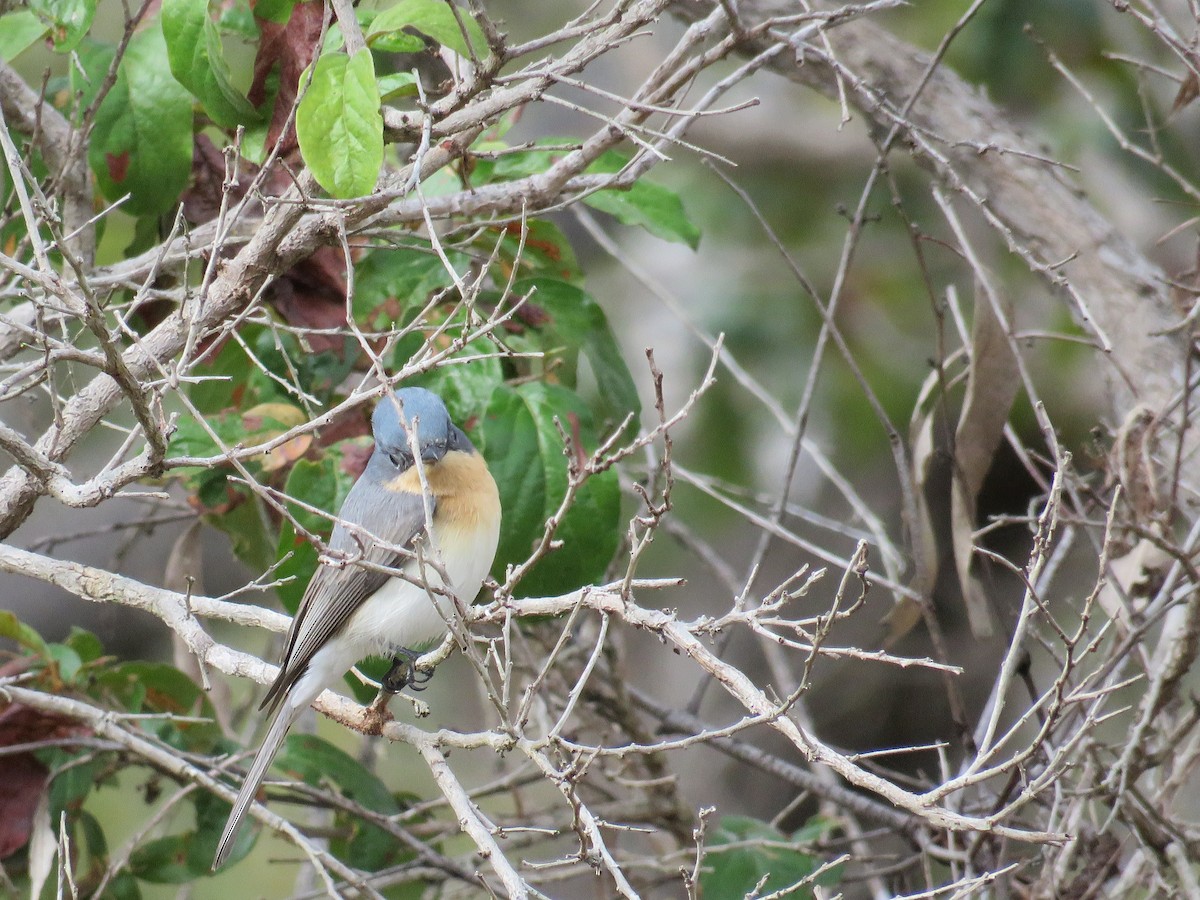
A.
x: 404, y: 673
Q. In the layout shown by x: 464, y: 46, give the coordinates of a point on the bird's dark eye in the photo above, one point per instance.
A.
x: 400, y: 460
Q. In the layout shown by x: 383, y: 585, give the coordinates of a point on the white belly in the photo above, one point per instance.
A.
x: 403, y: 615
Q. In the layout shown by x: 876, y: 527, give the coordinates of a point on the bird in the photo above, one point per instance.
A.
x: 351, y: 611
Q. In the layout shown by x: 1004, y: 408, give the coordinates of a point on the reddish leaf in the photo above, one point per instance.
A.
x: 24, y: 777
x: 291, y: 47
x: 20, y: 788
x: 313, y: 295
x: 354, y: 459
x: 202, y: 199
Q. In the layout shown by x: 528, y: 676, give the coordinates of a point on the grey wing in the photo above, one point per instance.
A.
x: 335, y: 592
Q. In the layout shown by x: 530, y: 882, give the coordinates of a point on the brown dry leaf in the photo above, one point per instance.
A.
x: 1131, y: 579
x: 1189, y: 90
x: 992, y: 385
x: 905, y: 615
x: 289, y: 417
x: 24, y: 776
x: 291, y: 47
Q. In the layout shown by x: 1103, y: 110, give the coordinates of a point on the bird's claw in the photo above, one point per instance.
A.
x: 405, y: 674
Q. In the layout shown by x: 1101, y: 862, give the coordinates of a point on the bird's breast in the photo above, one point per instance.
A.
x: 466, y: 530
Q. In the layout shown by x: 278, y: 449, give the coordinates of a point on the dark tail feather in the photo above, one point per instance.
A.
x: 266, y: 754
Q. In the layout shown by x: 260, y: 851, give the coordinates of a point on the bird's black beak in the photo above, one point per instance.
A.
x: 433, y: 452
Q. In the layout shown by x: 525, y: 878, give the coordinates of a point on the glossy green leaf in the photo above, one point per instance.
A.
x: 397, y: 42
x: 14, y: 629
x: 436, y: 19
x: 18, y: 32
x: 645, y: 204
x: 142, y: 141
x: 650, y: 206
x: 398, y: 84
x: 757, y: 852
x: 340, y: 126
x: 68, y: 20
x: 525, y: 454
x: 198, y: 61
x: 577, y: 322
x: 387, y: 283
x: 192, y: 437
x: 466, y: 387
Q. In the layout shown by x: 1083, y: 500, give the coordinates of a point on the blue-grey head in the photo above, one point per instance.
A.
x: 396, y: 415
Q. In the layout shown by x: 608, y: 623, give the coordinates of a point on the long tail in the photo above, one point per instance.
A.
x: 288, y: 713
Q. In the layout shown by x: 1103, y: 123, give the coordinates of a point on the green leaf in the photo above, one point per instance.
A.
x: 436, y: 19
x: 316, y: 762
x: 466, y: 388
x: 85, y: 644
x: 339, y: 124
x: 67, y: 661
x: 650, y: 206
x: 72, y: 784
x: 759, y: 851
x: 238, y: 20
x: 313, y: 760
x: 578, y: 322
x: 14, y: 629
x: 211, y: 813
x: 164, y: 860
x: 88, y: 827
x: 142, y: 141
x: 533, y: 161
x: 198, y: 62
x: 68, y: 20
x: 525, y: 454
x: 323, y: 484
x: 299, y: 566
x: 124, y: 886
x: 192, y: 438
x: 146, y: 687
x: 398, y: 84
x: 248, y: 535
x: 274, y: 10
x: 387, y: 283
x: 227, y: 370
x: 397, y: 42
x: 18, y: 32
